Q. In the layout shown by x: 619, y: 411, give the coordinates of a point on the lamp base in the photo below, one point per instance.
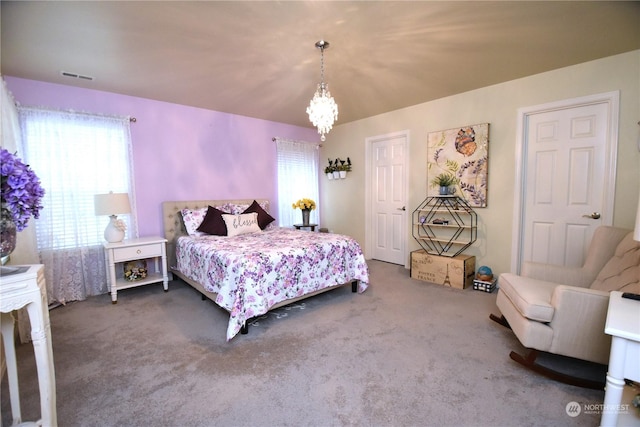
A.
x: 113, y: 233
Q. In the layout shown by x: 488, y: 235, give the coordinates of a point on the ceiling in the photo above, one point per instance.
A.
x: 258, y: 59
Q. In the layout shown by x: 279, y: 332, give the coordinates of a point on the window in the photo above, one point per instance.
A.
x: 297, y: 179
x: 76, y: 156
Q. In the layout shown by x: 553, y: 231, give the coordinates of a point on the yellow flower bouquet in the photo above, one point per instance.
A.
x: 304, y: 204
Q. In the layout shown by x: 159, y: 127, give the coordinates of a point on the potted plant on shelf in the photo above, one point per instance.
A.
x: 336, y: 169
x: 330, y: 170
x: 444, y: 181
x: 343, y: 166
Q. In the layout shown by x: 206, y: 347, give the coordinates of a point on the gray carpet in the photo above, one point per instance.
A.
x: 404, y: 353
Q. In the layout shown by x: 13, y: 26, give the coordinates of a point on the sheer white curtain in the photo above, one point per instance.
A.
x: 297, y: 179
x: 76, y: 155
x: 25, y: 252
x: 10, y: 129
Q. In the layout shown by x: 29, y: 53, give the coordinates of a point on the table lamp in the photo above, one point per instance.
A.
x: 113, y: 204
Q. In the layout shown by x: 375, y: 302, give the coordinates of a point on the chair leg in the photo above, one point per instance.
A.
x: 529, y: 361
x: 499, y: 320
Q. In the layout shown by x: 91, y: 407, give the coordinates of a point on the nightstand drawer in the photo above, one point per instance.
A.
x: 137, y: 252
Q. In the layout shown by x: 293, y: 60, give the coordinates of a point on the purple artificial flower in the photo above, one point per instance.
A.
x: 20, y: 189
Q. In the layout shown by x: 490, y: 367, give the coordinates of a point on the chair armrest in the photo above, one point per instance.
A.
x: 578, y: 323
x: 572, y: 276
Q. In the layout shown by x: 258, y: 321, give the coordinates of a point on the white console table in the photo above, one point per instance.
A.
x: 27, y: 288
x: 623, y: 324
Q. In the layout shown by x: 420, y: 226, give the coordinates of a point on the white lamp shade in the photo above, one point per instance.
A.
x: 112, y: 204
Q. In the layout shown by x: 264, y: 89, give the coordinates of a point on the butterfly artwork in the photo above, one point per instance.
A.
x: 462, y: 152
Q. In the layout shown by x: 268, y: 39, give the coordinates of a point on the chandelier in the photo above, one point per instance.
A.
x: 322, y: 110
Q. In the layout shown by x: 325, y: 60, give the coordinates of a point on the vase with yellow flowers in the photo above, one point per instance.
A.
x: 306, y: 206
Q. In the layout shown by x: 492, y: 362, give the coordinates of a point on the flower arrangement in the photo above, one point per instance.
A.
x: 120, y: 224
x: 135, y: 270
x: 304, y: 204
x: 20, y: 190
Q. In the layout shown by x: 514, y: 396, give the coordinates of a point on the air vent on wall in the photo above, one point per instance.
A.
x: 76, y: 75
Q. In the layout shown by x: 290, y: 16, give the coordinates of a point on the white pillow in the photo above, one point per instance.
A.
x: 241, y: 224
x: 192, y: 219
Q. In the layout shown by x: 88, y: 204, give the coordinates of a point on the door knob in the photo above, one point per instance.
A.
x: 402, y: 208
x: 594, y: 215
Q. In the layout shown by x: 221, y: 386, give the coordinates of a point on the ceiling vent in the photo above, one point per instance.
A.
x: 76, y: 75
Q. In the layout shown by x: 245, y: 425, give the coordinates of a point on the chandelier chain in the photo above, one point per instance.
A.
x: 322, y: 65
x: 322, y: 110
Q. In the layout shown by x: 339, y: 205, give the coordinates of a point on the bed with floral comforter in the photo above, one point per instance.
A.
x: 251, y: 273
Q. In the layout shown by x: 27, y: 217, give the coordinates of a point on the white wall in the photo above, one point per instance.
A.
x: 343, y: 202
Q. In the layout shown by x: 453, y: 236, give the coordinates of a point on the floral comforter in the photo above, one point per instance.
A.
x: 252, y: 272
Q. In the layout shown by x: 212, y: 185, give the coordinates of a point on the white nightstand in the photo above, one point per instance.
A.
x: 144, y: 248
x: 623, y: 324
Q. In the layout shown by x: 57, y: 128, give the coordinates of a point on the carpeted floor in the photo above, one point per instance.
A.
x: 403, y: 353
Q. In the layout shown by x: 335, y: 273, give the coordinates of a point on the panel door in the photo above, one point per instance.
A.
x: 389, y: 205
x: 564, y: 194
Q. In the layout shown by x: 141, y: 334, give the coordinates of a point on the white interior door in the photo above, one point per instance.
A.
x: 388, y: 196
x: 569, y: 172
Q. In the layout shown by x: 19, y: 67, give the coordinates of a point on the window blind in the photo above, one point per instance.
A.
x: 297, y: 179
x: 76, y: 155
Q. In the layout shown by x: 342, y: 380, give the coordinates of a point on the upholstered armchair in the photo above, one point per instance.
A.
x: 562, y: 310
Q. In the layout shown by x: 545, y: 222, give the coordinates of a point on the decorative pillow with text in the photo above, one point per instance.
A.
x: 241, y: 224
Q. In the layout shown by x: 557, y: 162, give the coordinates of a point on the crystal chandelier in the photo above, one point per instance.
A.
x: 322, y: 110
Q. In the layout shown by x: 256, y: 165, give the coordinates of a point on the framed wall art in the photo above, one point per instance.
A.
x: 462, y: 153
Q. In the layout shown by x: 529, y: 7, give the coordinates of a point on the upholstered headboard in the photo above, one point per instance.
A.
x: 174, y: 227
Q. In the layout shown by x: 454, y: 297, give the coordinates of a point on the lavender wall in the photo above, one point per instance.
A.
x: 180, y: 152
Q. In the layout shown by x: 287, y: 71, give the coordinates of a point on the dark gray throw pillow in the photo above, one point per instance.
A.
x: 213, y: 223
x: 264, y: 218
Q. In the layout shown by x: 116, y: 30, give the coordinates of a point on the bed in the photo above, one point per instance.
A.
x: 250, y: 274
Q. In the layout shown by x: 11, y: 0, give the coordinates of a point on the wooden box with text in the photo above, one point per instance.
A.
x: 456, y: 272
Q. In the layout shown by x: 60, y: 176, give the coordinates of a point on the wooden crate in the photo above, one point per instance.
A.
x: 456, y: 272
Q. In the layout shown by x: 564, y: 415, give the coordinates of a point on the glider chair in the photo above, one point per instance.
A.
x: 562, y: 310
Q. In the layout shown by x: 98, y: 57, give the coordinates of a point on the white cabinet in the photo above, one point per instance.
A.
x: 445, y: 225
x: 143, y: 249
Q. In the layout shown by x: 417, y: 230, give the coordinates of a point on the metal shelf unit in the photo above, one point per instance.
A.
x: 445, y: 225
